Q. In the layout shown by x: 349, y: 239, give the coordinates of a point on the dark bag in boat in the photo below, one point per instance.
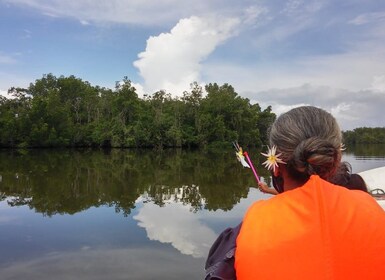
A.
x: 220, y: 261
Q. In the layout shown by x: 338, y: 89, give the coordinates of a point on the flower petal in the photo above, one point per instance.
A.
x: 272, y: 159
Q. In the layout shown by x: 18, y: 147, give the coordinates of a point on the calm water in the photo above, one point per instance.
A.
x: 124, y: 214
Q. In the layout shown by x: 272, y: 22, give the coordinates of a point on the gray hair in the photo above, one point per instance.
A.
x: 309, y: 139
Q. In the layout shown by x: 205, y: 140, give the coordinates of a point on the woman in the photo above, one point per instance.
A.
x: 311, y: 229
x: 343, y: 177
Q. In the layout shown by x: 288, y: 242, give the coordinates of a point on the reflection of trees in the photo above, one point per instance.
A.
x: 19, y: 201
x: 187, y: 195
x: 69, y: 181
x: 367, y: 150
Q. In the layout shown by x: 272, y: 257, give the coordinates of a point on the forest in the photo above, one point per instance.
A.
x: 365, y: 135
x: 69, y: 112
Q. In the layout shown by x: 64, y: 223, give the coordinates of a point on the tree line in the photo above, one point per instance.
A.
x: 69, y: 112
x: 365, y: 135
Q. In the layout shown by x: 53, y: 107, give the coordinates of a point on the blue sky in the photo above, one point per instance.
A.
x: 282, y: 53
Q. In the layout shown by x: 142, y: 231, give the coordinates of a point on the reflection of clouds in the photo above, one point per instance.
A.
x: 175, y: 224
x: 138, y: 264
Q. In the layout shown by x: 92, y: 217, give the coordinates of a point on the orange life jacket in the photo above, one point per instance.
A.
x: 317, y: 231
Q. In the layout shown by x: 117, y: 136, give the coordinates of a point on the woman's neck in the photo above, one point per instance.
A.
x: 289, y: 183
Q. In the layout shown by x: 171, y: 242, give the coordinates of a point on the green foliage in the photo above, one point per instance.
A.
x: 365, y: 135
x: 69, y: 112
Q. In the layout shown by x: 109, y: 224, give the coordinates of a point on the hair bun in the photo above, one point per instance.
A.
x: 315, y: 156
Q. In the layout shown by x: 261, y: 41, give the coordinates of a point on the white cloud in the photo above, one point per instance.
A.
x: 128, y: 12
x: 368, y: 18
x: 139, y: 89
x: 286, y: 64
x: 350, y: 84
x: 8, y: 80
x: 253, y: 13
x: 4, y: 93
x: 352, y: 71
x: 279, y: 109
x: 378, y: 83
x: 84, y: 22
x: 350, y: 108
x: 301, y: 8
x: 173, y: 60
x: 344, y: 114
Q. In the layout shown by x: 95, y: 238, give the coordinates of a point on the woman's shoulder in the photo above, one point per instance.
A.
x: 220, y: 260
x: 269, y: 206
x: 341, y: 197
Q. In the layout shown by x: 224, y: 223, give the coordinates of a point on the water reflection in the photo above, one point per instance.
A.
x: 140, y: 263
x: 60, y: 182
x: 122, y: 214
x: 175, y: 223
x: 187, y: 195
x: 66, y: 182
x: 365, y: 157
x: 373, y: 151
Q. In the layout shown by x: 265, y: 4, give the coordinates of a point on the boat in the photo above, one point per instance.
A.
x: 375, y: 181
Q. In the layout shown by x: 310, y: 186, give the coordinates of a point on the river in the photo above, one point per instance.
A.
x: 124, y: 214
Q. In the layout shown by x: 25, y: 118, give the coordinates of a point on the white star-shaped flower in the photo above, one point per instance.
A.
x: 272, y: 159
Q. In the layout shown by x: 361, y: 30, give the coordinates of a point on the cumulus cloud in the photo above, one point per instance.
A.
x: 283, y: 53
x: 173, y: 60
x: 139, y: 89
